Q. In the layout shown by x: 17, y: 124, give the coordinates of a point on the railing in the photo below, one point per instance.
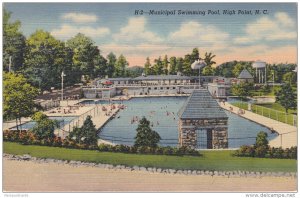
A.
x: 280, y: 116
x: 77, y: 122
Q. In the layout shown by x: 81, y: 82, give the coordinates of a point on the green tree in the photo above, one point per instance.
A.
x: 173, y: 65
x: 287, y: 97
x: 195, y: 55
x: 85, y: 53
x: 45, y: 59
x: 111, y: 61
x: 237, y: 69
x: 166, y: 65
x: 242, y: 89
x: 87, y: 134
x: 158, y: 66
x: 18, y: 97
x: 14, y: 43
x: 261, y: 139
x: 147, y: 67
x: 44, y: 127
x: 208, y: 59
x: 120, y: 66
x: 145, y: 135
x: 208, y: 71
x: 100, y: 66
x: 290, y: 77
x: 187, y: 62
x: 179, y: 64
x: 261, y: 144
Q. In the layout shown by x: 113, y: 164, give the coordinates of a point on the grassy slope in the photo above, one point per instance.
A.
x: 211, y: 160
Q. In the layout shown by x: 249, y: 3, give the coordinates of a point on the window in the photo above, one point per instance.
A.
x: 168, y: 87
x: 174, y: 87
x: 155, y: 88
x: 161, y: 88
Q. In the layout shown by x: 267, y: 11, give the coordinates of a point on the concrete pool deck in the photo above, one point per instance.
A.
x: 287, y: 134
x: 71, y: 108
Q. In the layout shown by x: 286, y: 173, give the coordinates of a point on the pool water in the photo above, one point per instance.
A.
x: 62, y: 122
x: 162, y: 114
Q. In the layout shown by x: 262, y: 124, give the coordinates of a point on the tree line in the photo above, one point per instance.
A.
x: 173, y: 65
x: 41, y: 58
x: 279, y: 72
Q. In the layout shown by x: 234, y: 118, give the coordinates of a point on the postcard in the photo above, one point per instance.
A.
x: 150, y: 97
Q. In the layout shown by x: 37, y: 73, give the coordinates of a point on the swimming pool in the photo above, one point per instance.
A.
x: 62, y: 122
x: 162, y: 114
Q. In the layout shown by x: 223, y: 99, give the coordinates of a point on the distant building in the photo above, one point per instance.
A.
x: 155, y: 85
x: 245, y: 76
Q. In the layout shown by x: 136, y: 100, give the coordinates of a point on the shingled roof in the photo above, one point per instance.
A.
x: 245, y: 75
x: 201, y: 105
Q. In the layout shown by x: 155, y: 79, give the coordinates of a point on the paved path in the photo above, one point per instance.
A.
x: 27, y: 176
x: 287, y: 134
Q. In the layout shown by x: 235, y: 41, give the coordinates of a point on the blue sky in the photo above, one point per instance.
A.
x: 114, y: 27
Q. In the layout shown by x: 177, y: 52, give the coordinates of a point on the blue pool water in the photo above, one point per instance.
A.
x: 162, y: 113
x: 62, y: 122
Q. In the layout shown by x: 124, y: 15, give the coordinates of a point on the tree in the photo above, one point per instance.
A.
x: 85, y: 53
x: 147, y: 67
x: 120, y: 66
x: 112, y: 59
x: 195, y: 55
x: 187, y: 62
x: 14, y: 43
x: 242, y: 89
x: 290, y: 77
x: 44, y: 127
x: 100, y: 66
x: 18, y: 97
x: 261, y: 144
x: 45, y: 59
x: 179, y: 64
x: 173, y: 65
x: 287, y: 97
x: 145, y: 135
x: 87, y: 134
x: 208, y: 71
x: 237, y: 69
x: 261, y: 139
x: 166, y: 65
x: 158, y: 66
x: 208, y: 59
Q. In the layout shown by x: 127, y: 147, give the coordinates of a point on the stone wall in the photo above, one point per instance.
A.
x: 217, y: 132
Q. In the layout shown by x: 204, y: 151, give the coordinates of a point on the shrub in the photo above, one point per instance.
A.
x: 261, y: 151
x: 167, y: 150
x: 103, y: 147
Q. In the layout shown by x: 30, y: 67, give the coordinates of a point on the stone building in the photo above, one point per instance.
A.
x: 202, y: 112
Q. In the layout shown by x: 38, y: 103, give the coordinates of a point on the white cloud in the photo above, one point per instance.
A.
x: 80, y: 17
x: 68, y: 31
x: 197, y: 34
x: 279, y: 27
x: 135, y: 32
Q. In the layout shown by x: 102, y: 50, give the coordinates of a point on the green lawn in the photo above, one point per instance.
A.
x: 272, y: 110
x: 211, y: 160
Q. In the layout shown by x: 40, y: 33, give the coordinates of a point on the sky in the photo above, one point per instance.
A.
x: 269, y: 36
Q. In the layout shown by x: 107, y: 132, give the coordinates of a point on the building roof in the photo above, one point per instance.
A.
x: 119, y: 79
x: 163, y: 77
x: 245, y: 75
x: 201, y: 105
